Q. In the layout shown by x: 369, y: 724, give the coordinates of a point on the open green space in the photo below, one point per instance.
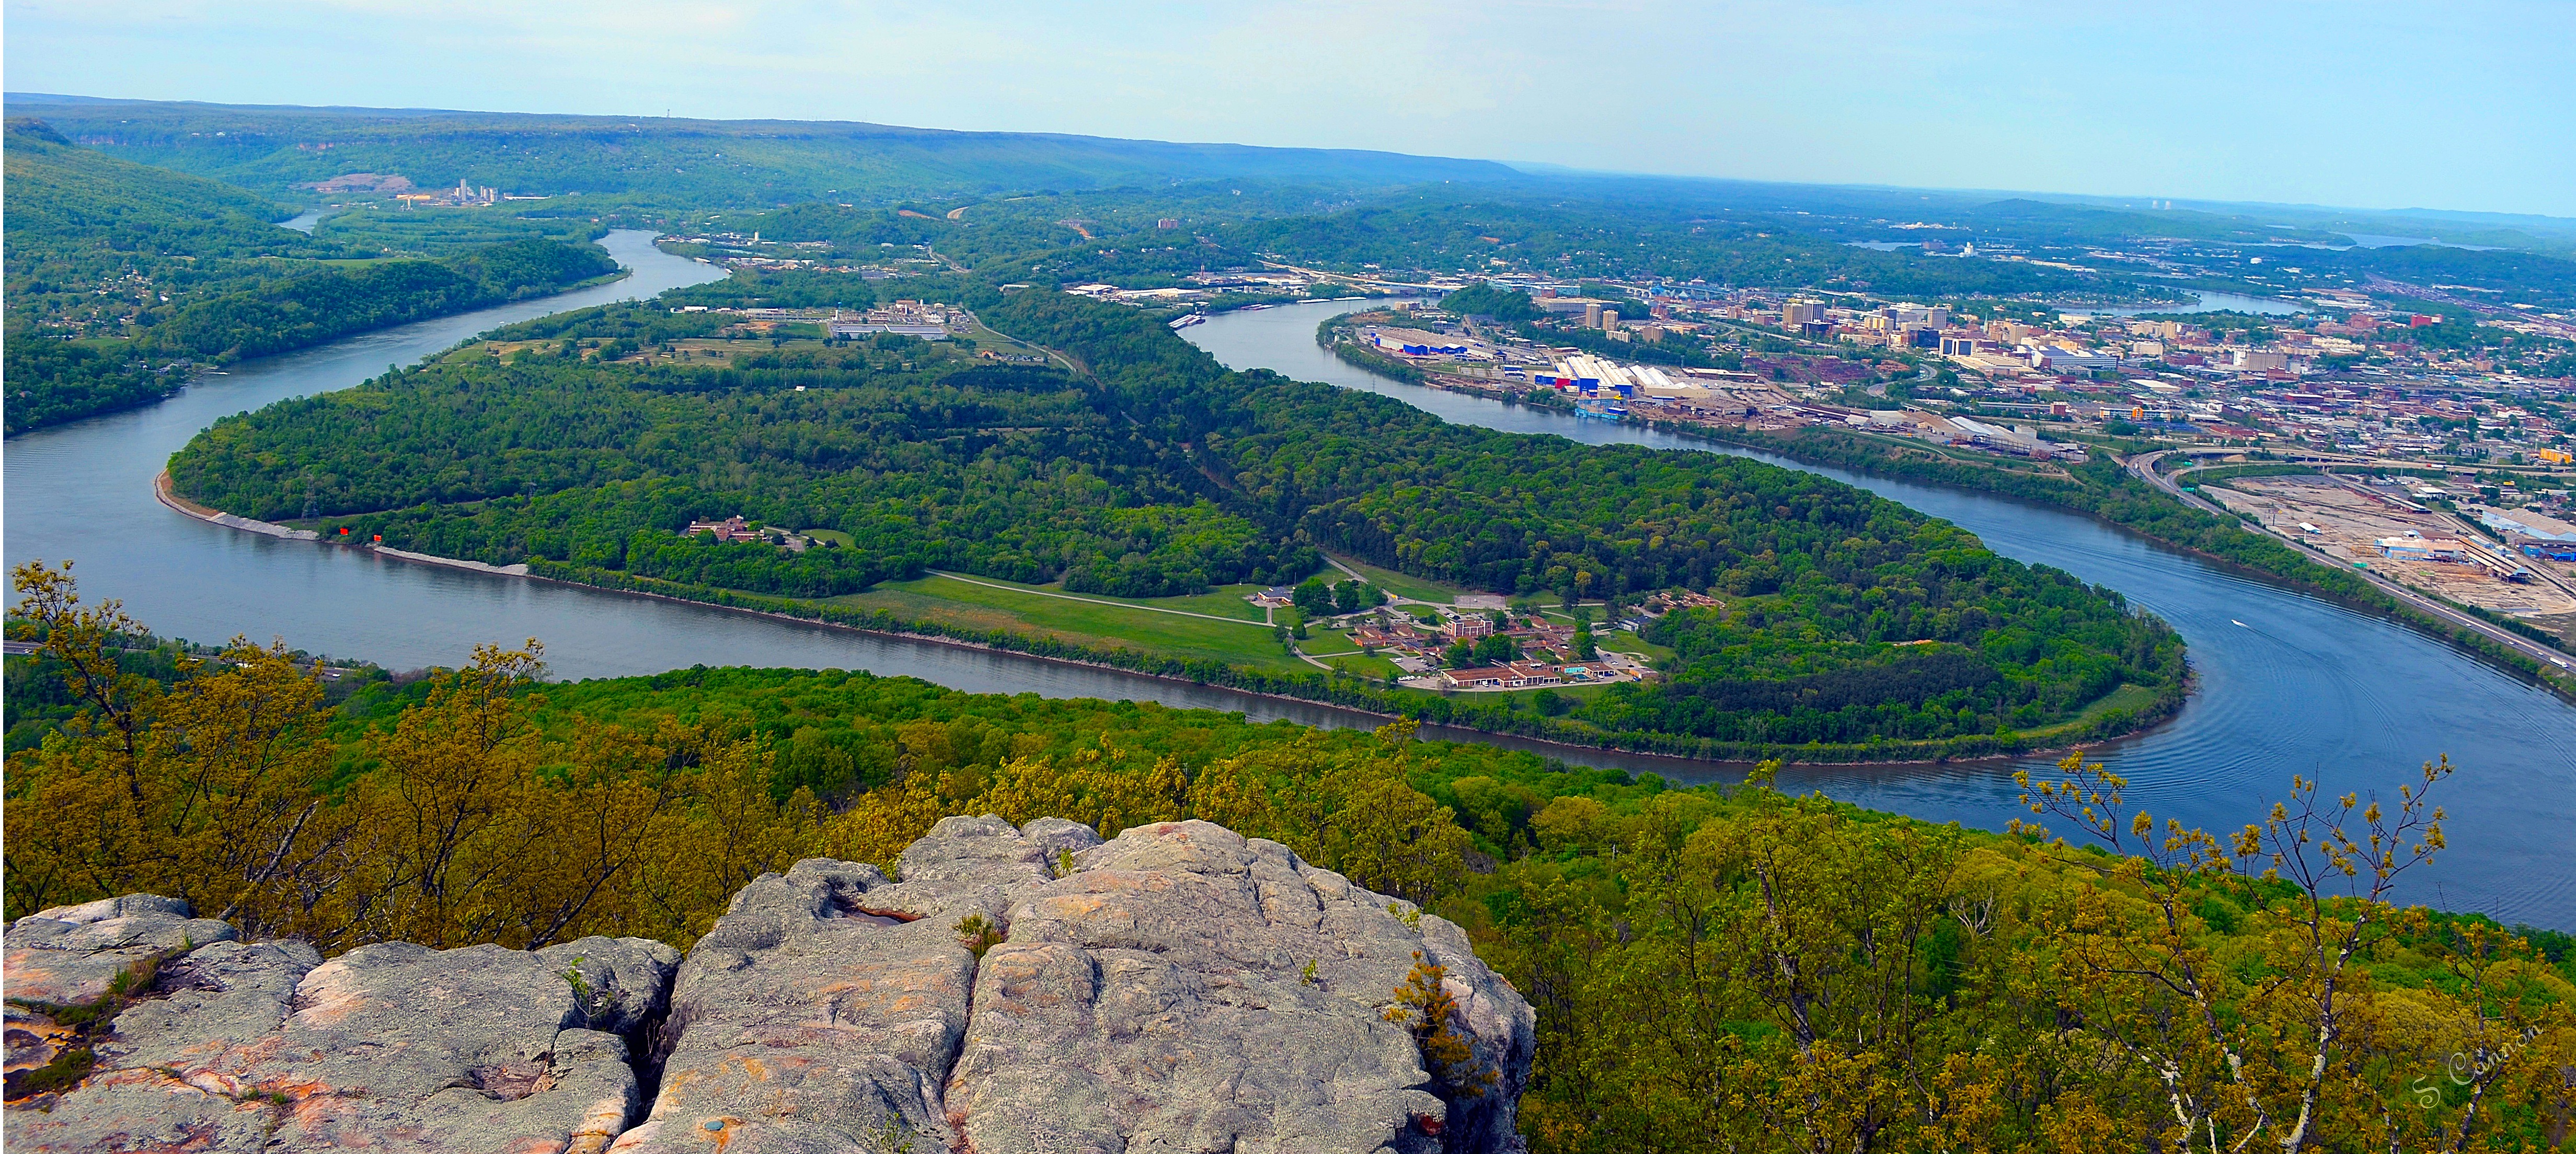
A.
x: 2130, y: 697
x: 1397, y: 583
x: 1225, y: 601
x: 1622, y: 641
x: 1402, y: 585
x: 1133, y: 625
x: 1327, y: 643
x: 1363, y: 665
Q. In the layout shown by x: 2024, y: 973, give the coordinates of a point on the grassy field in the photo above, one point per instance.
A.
x: 1622, y: 641
x: 1401, y: 585
x: 1105, y: 621
x: 1223, y: 601
x: 1356, y: 664
x: 2125, y: 697
x: 1326, y: 643
x: 988, y: 340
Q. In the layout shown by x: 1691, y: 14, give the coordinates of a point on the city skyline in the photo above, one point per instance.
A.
x: 2357, y: 106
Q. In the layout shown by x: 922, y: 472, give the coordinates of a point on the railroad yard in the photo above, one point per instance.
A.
x: 2381, y: 526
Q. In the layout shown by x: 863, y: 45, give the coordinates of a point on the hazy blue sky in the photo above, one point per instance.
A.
x: 2467, y: 104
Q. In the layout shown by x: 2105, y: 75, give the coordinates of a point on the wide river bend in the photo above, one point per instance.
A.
x: 2288, y: 685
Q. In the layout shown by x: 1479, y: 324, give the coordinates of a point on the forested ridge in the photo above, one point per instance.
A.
x: 94, y: 241
x: 1157, y: 472
x: 124, y: 278
x: 325, y: 304
x: 692, y: 161
x: 1720, y: 967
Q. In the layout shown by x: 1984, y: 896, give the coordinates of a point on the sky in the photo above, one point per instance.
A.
x: 2464, y: 105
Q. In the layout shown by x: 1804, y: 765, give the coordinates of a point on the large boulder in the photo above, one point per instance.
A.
x: 266, y: 1047
x: 824, y: 1010
x: 1187, y: 989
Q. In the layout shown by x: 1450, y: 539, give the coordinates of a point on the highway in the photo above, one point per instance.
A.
x: 2144, y: 466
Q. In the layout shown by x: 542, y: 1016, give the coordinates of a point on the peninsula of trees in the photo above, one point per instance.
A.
x: 1852, y: 626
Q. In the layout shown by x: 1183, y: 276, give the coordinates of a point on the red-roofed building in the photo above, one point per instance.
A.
x: 732, y: 528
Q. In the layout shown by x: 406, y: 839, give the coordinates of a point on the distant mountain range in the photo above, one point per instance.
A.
x: 283, y: 151
x: 274, y: 149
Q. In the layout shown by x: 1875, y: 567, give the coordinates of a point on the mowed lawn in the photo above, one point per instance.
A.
x: 1223, y: 601
x: 2125, y: 697
x: 1244, y: 639
x: 1373, y: 668
x: 1415, y: 588
x: 1327, y: 643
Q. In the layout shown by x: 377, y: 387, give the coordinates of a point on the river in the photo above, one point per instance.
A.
x: 2288, y: 684
x: 2299, y: 687
x: 2210, y: 302
x: 84, y: 491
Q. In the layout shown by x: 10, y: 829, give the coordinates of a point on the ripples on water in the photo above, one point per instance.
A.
x: 2301, y: 688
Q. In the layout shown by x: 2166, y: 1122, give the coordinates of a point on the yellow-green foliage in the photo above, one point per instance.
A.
x: 1712, y: 968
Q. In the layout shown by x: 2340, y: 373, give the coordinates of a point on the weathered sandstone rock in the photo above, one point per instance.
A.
x: 823, y: 1011
x: 67, y: 955
x: 1187, y: 989
x: 266, y: 1047
x: 1179, y: 989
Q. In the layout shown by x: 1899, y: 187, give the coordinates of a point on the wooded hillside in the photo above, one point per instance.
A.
x: 1720, y: 967
x: 1158, y: 473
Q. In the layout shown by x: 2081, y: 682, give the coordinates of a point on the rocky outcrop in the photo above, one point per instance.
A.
x: 268, y: 1047
x: 823, y: 1011
x: 1187, y: 989
x: 70, y: 955
x: 1031, y: 989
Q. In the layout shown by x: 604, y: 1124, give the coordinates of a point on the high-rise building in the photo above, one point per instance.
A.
x: 1609, y: 319
x: 1799, y: 312
x: 1592, y: 315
